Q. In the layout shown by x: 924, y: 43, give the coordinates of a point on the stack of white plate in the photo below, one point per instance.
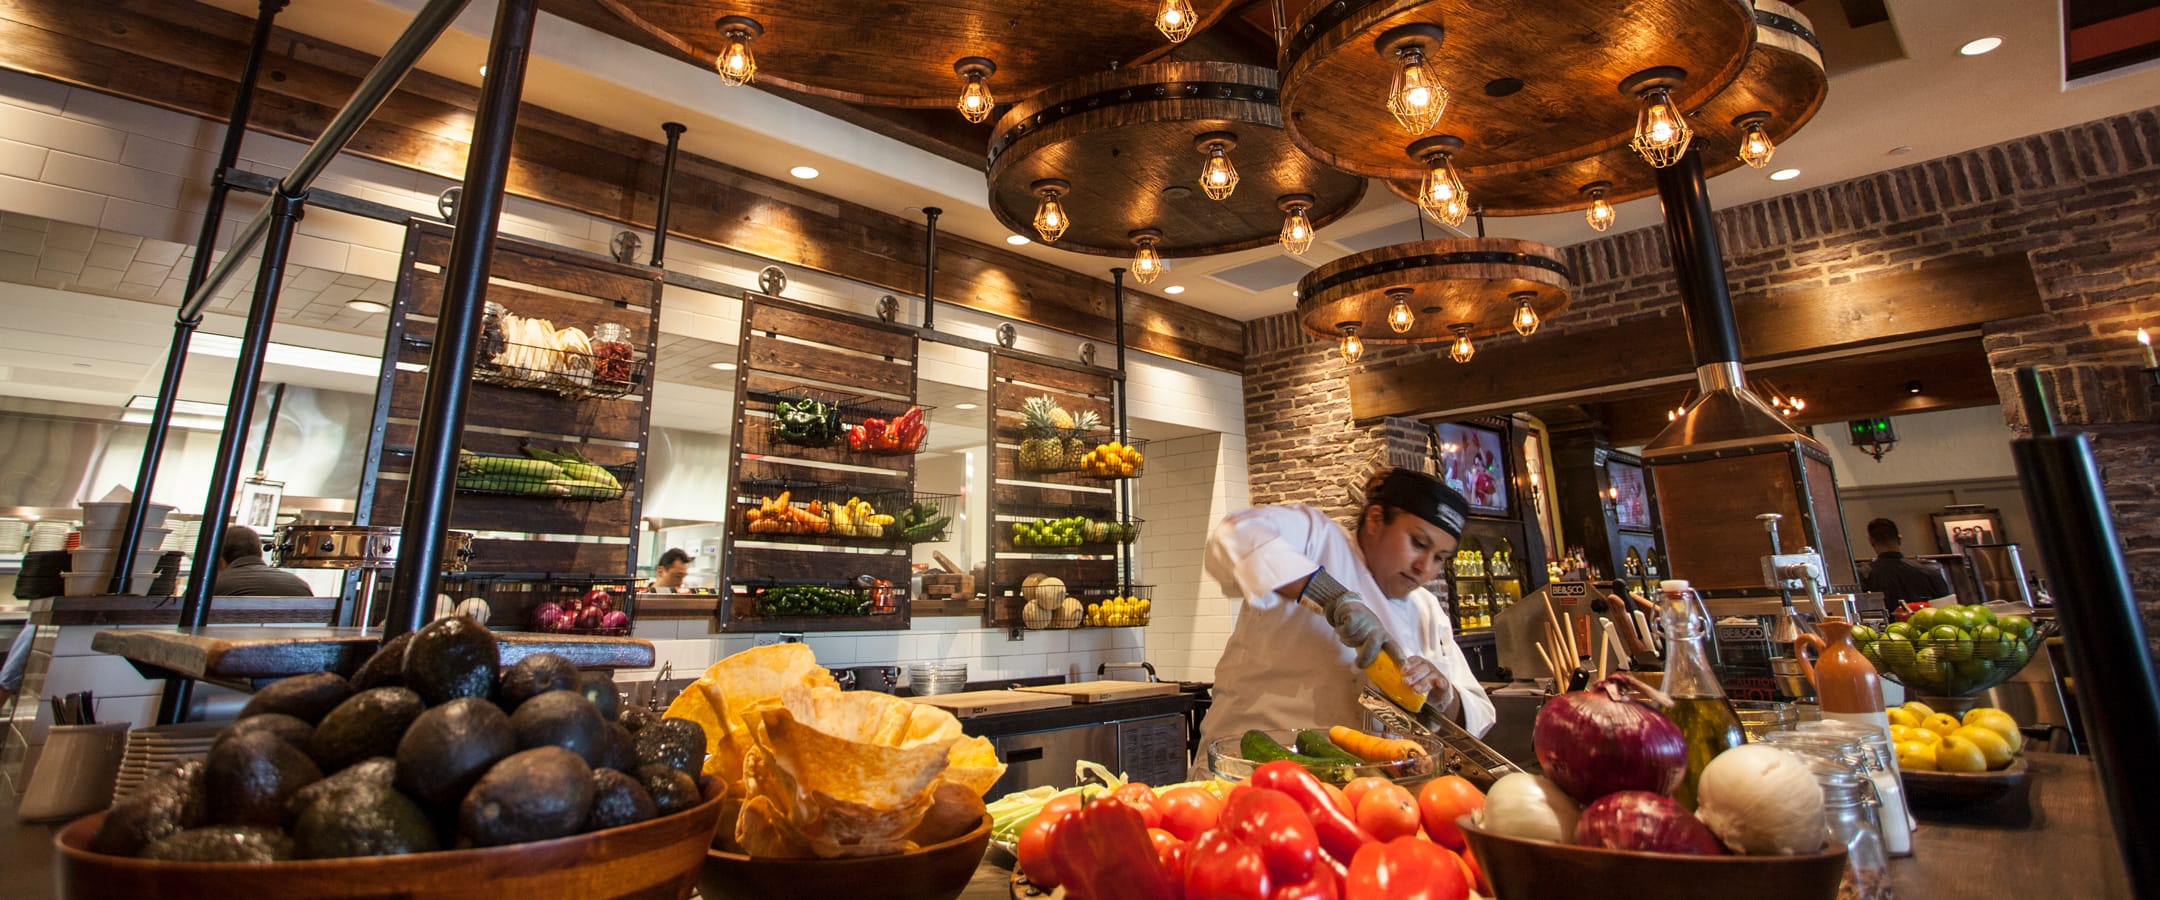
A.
x: 13, y: 532
x: 937, y: 678
x: 50, y: 534
x: 157, y: 748
x: 185, y: 531
x: 93, y: 561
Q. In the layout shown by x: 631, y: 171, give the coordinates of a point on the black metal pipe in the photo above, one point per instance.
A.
x: 1699, y: 263
x: 667, y: 190
x: 1124, y: 422
x: 277, y: 406
x: 428, y: 494
x: 395, y: 64
x: 184, y: 326
x: 286, y: 210
x: 929, y: 268
x: 2118, y: 694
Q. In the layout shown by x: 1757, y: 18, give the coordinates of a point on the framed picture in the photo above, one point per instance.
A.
x: 1473, y: 459
x: 256, y: 505
x: 1957, y: 529
x: 1630, y: 499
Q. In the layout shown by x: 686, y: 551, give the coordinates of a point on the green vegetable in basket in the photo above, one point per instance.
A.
x: 806, y: 421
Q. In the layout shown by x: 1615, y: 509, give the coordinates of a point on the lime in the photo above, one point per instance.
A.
x: 1898, y: 630
x: 1973, y: 670
x: 1896, y: 651
x: 1924, y: 619
x: 1951, y: 642
x: 1986, y: 615
x: 2018, y: 626
x: 1988, y: 642
x: 1862, y: 634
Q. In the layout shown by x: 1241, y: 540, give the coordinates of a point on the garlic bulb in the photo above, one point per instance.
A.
x: 1761, y: 800
x: 1529, y: 806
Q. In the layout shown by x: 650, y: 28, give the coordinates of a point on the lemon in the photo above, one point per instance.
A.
x: 1943, y: 724
x: 1918, y: 708
x: 1956, y: 754
x: 1900, y: 716
x: 1997, y: 721
x: 1916, y: 755
x: 1923, y: 736
x: 1992, y: 746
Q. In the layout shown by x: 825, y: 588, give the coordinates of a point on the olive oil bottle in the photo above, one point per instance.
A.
x: 1700, y: 709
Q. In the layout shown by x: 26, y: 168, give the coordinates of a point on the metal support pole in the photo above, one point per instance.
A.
x: 277, y: 406
x: 184, y: 326
x: 472, y: 247
x: 667, y: 190
x: 1690, y: 232
x: 285, y: 210
x: 1124, y: 424
x: 929, y: 269
x: 2118, y: 693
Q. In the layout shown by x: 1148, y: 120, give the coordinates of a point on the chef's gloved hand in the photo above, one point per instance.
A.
x: 1358, y: 628
x: 1424, y: 677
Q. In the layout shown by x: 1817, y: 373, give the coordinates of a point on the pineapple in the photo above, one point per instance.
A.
x: 1076, y: 448
x: 1041, y: 448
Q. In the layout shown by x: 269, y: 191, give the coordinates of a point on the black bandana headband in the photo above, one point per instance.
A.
x: 1425, y: 497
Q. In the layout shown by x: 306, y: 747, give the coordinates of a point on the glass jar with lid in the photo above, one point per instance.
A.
x: 1849, y: 810
x: 612, y: 354
x: 1883, y: 769
x: 492, y: 340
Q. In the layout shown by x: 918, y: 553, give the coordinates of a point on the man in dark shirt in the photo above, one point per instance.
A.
x: 245, y: 574
x: 1900, y: 581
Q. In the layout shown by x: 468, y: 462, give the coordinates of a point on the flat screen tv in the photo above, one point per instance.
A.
x: 1473, y: 459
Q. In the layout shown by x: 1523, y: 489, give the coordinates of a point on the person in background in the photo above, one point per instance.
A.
x: 1901, y: 581
x: 243, y: 573
x: 11, y: 671
x: 1286, y: 666
x: 669, y: 571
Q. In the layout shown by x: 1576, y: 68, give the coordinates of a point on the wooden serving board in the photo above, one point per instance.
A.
x: 1105, y: 691
x: 990, y: 703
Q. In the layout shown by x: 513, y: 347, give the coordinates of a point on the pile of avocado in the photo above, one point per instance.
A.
x: 431, y: 745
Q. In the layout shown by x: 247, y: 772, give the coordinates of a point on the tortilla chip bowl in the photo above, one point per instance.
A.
x: 1522, y: 869
x: 651, y: 860
x: 936, y: 872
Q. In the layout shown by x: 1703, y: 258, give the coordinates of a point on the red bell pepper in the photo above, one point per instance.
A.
x: 858, y: 439
x: 1406, y: 868
x: 1220, y: 867
x: 1104, y: 853
x: 873, y: 432
x: 1338, y: 833
x: 1272, y: 823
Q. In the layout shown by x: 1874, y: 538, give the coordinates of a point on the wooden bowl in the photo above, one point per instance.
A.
x: 937, y: 872
x: 1942, y: 790
x: 656, y: 859
x: 1535, y: 870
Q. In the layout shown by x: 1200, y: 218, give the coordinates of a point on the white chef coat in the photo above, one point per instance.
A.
x: 1284, y: 668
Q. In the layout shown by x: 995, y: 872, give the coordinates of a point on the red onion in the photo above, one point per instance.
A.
x: 589, y: 617
x: 615, y: 618
x: 546, y: 616
x: 598, y: 599
x: 1597, y: 741
x: 1640, y: 820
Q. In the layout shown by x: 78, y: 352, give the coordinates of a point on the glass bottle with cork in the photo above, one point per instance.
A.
x: 1700, y: 708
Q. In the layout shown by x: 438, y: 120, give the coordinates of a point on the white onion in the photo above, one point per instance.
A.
x: 1761, y: 800
x: 1529, y: 806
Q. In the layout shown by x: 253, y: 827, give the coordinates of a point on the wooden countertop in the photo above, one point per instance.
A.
x: 242, y: 654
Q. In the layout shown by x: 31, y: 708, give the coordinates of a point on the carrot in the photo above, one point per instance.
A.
x: 1374, y: 748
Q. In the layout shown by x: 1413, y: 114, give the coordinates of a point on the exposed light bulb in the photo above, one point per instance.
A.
x: 736, y: 64
x: 1526, y: 317
x: 1352, y: 346
x: 1176, y: 20
x: 1147, y: 265
x: 1050, y: 218
x: 1297, y: 230
x: 1601, y: 214
x: 1755, y: 145
x: 1416, y: 98
x: 1443, y: 195
x: 1462, y: 349
x: 1399, y: 317
x: 1661, y: 131
x: 1218, y: 178
x: 975, y: 99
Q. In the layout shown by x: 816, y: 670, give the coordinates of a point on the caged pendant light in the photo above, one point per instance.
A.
x: 1297, y: 229
x: 1661, y: 128
x: 1416, y: 98
x: 1218, y: 178
x: 1352, y: 346
x: 1050, y: 218
x: 1755, y: 144
x: 735, y: 63
x: 1601, y: 214
x: 1176, y: 20
x: 1147, y: 264
x: 1441, y: 195
x: 975, y: 99
x: 1462, y: 350
x: 1399, y: 317
x: 1526, y: 318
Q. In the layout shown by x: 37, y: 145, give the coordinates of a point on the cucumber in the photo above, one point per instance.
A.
x: 1257, y: 747
x: 1314, y: 743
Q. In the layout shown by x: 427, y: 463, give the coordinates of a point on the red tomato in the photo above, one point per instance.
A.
x: 1388, y: 812
x: 1034, y: 851
x: 1342, y: 800
x: 1142, y: 798
x: 1217, y: 867
x: 1170, y: 852
x: 1188, y: 811
x: 1062, y: 804
x: 1405, y: 869
x: 1357, y: 789
x: 1442, y: 801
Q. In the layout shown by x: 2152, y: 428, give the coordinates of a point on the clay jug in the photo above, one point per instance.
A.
x: 1845, y: 682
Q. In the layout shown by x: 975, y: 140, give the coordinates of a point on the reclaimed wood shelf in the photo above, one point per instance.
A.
x: 133, y: 609
x: 1018, y: 495
x: 243, y: 655
x: 792, y: 350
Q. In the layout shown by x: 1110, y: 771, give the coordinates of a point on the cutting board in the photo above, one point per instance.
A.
x: 1105, y: 691
x: 991, y: 703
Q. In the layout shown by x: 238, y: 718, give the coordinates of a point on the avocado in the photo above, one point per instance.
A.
x: 164, y: 805
x: 634, y: 718
x: 671, y: 790
x: 386, y: 668
x: 620, y: 753
x: 562, y: 719
x: 450, y: 747
x: 678, y: 743
x: 223, y: 843
x: 532, y: 676
x: 248, y: 779
x: 369, y: 724
x: 599, y: 687
x: 305, y: 697
x: 363, y: 820
x: 451, y: 658
x: 618, y: 800
x: 534, y: 795
x: 380, y: 770
x: 284, y: 727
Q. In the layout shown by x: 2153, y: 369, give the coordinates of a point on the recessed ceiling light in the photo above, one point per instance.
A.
x: 965, y: 406
x: 367, y: 306
x: 1174, y: 289
x: 82, y: 365
x: 1978, y: 46
x: 723, y: 366
x: 1015, y: 240
x: 483, y: 71
x: 1784, y: 174
x: 804, y: 172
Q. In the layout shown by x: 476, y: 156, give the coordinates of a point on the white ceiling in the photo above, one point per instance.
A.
x: 1931, y: 100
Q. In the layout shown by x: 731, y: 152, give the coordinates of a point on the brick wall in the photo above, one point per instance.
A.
x: 2082, y: 203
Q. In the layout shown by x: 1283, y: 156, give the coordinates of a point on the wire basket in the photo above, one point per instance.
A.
x: 772, y: 508
x: 1069, y: 532
x: 927, y: 519
x: 807, y: 419
x: 775, y: 599
x: 603, y: 375
x: 1113, y: 606
x: 525, y: 476
x: 1958, y: 666
x: 554, y: 605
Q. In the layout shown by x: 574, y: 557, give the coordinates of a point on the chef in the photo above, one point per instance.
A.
x: 1287, y: 666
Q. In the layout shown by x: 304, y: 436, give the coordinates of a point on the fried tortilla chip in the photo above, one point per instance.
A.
x: 973, y: 763
x: 735, y: 689
x: 842, y: 744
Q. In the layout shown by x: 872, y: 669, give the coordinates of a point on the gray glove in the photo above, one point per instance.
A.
x: 1358, y: 628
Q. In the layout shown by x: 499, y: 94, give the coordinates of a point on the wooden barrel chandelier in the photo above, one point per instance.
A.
x: 1456, y: 290
x: 1126, y: 153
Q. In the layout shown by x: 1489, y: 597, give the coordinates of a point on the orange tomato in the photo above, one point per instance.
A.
x: 1356, y: 790
x: 1033, y: 850
x: 1341, y: 799
x: 1387, y: 812
x: 1441, y: 801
